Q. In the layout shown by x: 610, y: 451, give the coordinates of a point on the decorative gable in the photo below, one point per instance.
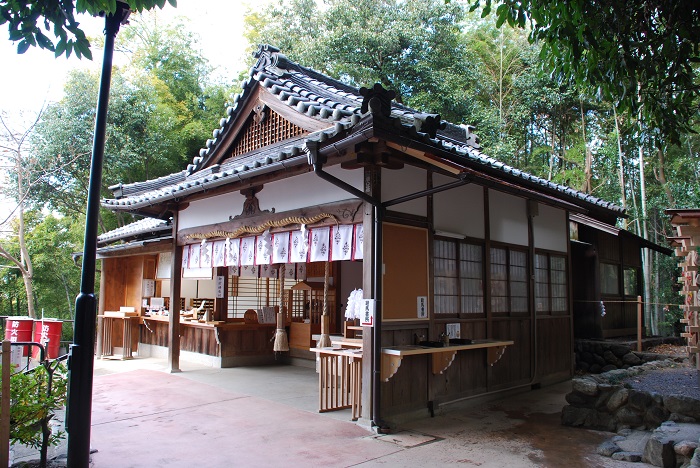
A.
x: 263, y: 128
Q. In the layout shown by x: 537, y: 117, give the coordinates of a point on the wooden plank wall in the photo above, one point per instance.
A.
x: 554, y: 349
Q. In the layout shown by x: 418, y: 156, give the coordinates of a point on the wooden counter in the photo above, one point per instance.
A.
x: 442, y: 357
x: 232, y: 343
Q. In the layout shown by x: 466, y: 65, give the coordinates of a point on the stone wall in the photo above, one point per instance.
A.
x: 602, y: 356
x: 603, y: 402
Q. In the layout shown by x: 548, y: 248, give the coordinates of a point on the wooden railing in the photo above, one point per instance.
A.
x: 339, y: 380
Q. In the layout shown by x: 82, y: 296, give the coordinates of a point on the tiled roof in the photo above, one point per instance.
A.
x: 140, y: 227
x: 326, y: 100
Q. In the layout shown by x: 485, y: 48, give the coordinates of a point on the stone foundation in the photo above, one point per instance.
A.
x: 595, y: 357
x: 603, y: 402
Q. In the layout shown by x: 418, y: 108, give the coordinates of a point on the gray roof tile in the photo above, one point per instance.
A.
x: 325, y: 99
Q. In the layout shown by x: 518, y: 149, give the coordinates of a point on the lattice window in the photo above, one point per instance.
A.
x: 253, y: 293
x: 509, y: 293
x: 272, y: 129
x: 457, y: 277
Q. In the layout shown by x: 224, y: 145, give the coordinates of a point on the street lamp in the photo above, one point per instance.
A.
x: 81, y: 355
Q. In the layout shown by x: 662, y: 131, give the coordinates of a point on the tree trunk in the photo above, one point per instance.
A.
x: 27, y: 267
x: 652, y: 325
x: 661, y: 177
x: 623, y: 196
x: 588, y: 186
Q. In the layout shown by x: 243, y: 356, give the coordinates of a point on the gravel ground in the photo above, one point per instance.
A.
x: 680, y: 380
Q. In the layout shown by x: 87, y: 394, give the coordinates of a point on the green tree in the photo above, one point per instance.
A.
x: 30, y: 22
x: 641, y: 55
x: 156, y: 122
x: 408, y: 46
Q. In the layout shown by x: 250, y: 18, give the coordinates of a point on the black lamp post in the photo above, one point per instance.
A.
x: 81, y: 356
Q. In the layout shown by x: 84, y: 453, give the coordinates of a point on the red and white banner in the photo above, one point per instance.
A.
x: 247, y: 251
x: 319, y: 248
x: 280, y: 247
x: 341, y: 242
x: 298, y: 247
x: 219, y: 253
x: 358, y: 243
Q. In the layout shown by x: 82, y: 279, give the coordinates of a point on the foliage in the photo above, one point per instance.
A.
x: 162, y: 109
x: 32, y: 402
x: 640, y: 54
x: 25, y: 21
x: 407, y: 46
x: 51, y: 241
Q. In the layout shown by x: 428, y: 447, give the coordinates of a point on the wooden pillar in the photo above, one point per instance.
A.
x: 174, y: 314
x: 101, y: 310
x: 221, y: 303
x: 372, y: 187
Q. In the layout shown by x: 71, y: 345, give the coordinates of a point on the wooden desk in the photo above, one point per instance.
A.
x: 441, y: 357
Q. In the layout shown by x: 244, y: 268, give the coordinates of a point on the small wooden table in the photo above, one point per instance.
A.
x: 106, y: 332
x: 442, y: 357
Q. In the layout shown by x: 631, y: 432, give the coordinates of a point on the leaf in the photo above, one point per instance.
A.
x: 22, y: 47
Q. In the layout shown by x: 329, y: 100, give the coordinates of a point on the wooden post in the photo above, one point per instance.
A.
x: 5, y: 406
x: 640, y: 320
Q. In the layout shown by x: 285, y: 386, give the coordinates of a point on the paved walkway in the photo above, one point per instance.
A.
x: 267, y: 417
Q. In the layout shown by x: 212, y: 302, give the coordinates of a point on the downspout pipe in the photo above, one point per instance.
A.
x: 317, y: 161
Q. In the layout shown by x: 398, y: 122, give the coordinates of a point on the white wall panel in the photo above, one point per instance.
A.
x: 283, y: 195
x: 459, y: 210
x: 406, y: 181
x: 508, y: 218
x: 550, y: 229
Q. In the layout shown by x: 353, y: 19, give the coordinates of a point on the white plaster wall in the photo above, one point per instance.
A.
x: 212, y: 210
x: 308, y: 190
x: 550, y: 229
x: 508, y: 218
x: 283, y: 195
x: 459, y: 210
x: 397, y: 183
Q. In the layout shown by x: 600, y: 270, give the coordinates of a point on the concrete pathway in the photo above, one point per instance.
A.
x: 267, y: 417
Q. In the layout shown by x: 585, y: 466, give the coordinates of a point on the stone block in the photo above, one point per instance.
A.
x: 577, y: 417
x: 683, y: 405
x: 685, y: 448
x: 629, y: 417
x: 639, y: 401
x: 619, y: 350
x: 608, y: 368
x: 627, y: 456
x: 661, y: 448
x: 595, y: 369
x: 585, y: 386
x: 655, y: 416
x: 617, y: 400
x: 607, y: 448
x: 610, y: 358
x: 580, y: 400
x: 631, y: 359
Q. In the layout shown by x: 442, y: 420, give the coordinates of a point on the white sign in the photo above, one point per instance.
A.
x: 367, y: 315
x: 220, y: 286
x: 453, y: 330
x: 422, y: 305
x: 149, y: 288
